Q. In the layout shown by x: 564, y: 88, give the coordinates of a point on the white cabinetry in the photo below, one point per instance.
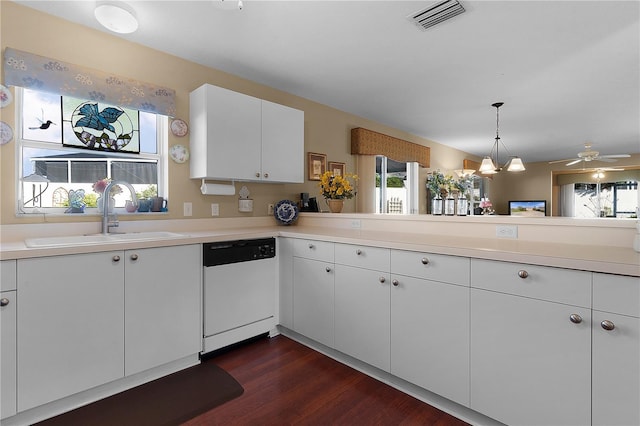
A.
x: 71, y: 325
x: 8, y: 309
x: 616, y: 350
x: 313, y: 290
x: 430, y: 322
x: 285, y: 259
x: 362, y: 306
x: 530, y: 343
x: 238, y: 137
x: 88, y: 319
x: 162, y: 308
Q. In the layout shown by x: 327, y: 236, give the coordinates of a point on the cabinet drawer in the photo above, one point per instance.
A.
x: 316, y: 250
x: 616, y: 293
x: 7, y: 275
x: 538, y: 282
x: 436, y: 267
x: 366, y: 257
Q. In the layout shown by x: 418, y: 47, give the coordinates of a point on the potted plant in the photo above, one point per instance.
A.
x: 336, y: 188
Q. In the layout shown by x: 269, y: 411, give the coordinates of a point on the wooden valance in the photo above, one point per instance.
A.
x: 470, y: 164
x: 368, y: 142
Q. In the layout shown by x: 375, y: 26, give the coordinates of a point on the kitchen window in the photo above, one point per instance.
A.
x: 65, y: 145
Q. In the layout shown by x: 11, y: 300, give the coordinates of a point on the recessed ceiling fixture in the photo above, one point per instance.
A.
x: 116, y: 17
x: 436, y: 13
x: 228, y: 4
x: 488, y: 166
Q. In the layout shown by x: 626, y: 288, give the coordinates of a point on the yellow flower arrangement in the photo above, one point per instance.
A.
x: 337, y: 187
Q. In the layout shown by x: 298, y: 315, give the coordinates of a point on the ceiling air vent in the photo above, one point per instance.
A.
x: 437, y: 13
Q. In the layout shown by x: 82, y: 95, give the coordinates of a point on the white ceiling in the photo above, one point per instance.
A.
x: 567, y: 71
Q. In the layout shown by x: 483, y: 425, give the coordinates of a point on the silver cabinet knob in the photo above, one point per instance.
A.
x: 266, y: 175
x: 311, y: 246
x: 425, y: 261
x: 382, y: 279
x: 116, y: 258
x: 395, y: 283
x: 134, y: 257
x: 575, y: 318
x: 607, y: 325
x: 4, y: 301
x: 523, y: 274
x: 257, y: 174
x: 328, y: 269
x: 358, y: 252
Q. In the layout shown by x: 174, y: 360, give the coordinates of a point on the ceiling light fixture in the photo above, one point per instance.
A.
x: 116, y: 17
x: 488, y: 166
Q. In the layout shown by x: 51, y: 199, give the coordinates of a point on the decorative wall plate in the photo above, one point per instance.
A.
x: 5, y: 96
x: 286, y: 212
x: 6, y: 133
x: 179, y: 153
x: 179, y: 128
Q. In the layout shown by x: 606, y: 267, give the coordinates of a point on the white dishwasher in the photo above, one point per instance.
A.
x: 239, y: 290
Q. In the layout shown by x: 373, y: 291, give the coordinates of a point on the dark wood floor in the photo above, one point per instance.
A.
x: 286, y: 383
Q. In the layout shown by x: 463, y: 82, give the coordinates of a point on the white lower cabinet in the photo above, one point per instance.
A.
x: 162, y: 306
x: 430, y: 336
x: 362, y: 313
x: 8, y: 338
x: 88, y: 319
x: 70, y: 325
x: 530, y: 358
x: 313, y: 299
x: 616, y: 350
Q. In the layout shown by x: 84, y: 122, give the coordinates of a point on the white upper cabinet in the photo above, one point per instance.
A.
x: 239, y: 137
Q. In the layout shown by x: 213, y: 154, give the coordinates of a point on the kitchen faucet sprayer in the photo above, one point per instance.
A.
x: 106, y: 223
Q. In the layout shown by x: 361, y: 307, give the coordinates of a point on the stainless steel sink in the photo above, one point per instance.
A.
x: 94, y: 239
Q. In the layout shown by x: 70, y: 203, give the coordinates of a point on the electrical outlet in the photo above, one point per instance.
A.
x: 270, y: 209
x: 507, y: 231
x: 215, y: 209
x: 187, y: 209
x: 356, y: 224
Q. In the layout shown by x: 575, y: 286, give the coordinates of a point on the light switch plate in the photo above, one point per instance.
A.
x: 187, y: 209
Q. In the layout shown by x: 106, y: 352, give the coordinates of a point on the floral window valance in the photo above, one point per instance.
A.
x: 368, y: 142
x: 49, y: 75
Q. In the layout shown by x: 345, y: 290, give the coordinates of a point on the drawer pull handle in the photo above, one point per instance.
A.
x: 328, y: 269
x: 425, y: 260
x: 116, y: 258
x: 523, y: 274
x: 382, y: 279
x: 395, y: 283
x: 575, y: 318
x: 358, y: 252
x: 311, y: 246
x: 607, y: 325
x: 134, y: 257
x: 4, y: 301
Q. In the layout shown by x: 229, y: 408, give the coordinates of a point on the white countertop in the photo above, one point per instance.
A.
x: 596, y: 258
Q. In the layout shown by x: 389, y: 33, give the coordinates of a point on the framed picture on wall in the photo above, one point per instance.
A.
x: 317, y: 164
x: 338, y: 169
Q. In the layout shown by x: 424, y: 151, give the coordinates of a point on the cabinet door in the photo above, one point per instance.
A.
x: 162, y: 306
x: 8, y: 310
x: 616, y: 370
x: 285, y: 293
x: 282, y: 143
x: 70, y: 325
x: 313, y: 298
x: 362, y: 327
x: 430, y: 336
x: 529, y: 363
x: 225, y: 134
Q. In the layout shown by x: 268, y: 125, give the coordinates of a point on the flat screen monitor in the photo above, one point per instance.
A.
x: 531, y: 208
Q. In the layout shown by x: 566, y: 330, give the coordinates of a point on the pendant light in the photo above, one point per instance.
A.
x: 491, y: 163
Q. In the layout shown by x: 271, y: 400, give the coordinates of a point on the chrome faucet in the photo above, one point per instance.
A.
x: 106, y: 223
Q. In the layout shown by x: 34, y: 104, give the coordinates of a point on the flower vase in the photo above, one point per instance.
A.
x: 450, y: 206
x: 436, y: 205
x: 110, y: 207
x: 462, y: 205
x: 335, y: 206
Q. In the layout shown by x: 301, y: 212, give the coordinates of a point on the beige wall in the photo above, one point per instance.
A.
x: 327, y: 130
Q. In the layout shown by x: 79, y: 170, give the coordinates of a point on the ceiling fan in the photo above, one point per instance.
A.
x: 591, y: 155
